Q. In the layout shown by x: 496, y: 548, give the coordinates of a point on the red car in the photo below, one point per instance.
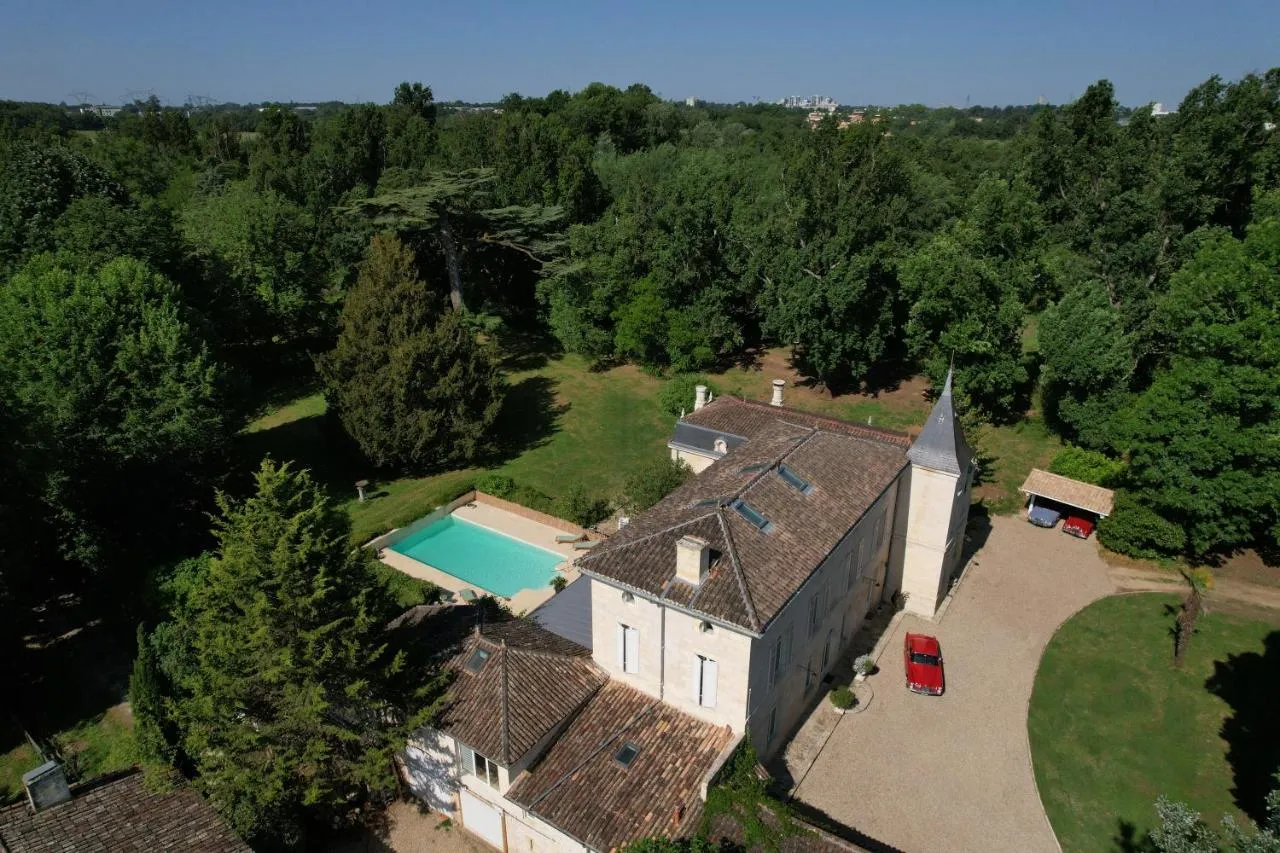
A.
x: 923, y: 658
x: 1078, y: 526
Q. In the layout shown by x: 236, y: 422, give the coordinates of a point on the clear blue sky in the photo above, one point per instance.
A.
x: 887, y: 52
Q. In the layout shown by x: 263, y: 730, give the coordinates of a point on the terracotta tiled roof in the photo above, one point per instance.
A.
x: 753, y: 572
x: 120, y: 815
x: 1071, y: 492
x: 748, y: 417
x: 530, y: 681
x: 580, y: 787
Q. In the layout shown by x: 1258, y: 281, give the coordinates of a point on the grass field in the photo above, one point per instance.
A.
x: 567, y: 425
x: 1113, y: 724
x: 564, y: 425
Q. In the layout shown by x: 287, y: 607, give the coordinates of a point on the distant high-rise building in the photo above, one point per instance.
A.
x: 691, y: 101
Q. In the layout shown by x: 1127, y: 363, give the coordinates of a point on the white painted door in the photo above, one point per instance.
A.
x: 481, y: 818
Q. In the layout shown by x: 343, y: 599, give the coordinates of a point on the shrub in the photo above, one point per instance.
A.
x: 653, y: 483
x: 577, y: 506
x: 863, y: 664
x: 842, y: 697
x: 1136, y: 529
x: 1088, y: 466
x: 498, y: 485
x: 677, y: 393
x: 559, y: 582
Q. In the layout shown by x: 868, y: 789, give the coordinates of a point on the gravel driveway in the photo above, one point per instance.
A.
x: 954, y: 773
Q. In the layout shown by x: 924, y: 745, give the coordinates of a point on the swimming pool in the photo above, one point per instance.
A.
x: 493, y: 561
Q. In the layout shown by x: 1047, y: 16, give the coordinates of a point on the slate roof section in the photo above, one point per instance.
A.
x: 531, y: 681
x: 941, y: 445
x: 568, y: 613
x: 1067, y: 491
x: 579, y: 786
x: 701, y: 438
x: 753, y: 572
x: 120, y: 815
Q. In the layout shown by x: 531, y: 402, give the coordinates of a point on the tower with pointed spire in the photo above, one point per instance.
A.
x: 929, y: 535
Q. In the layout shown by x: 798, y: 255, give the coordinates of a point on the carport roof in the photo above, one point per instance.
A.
x: 1067, y: 491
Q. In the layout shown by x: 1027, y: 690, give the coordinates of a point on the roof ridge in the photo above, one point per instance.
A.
x: 608, y: 739
x: 737, y: 573
x: 505, y: 711
x: 759, y: 475
x: 646, y: 537
x: 874, y: 430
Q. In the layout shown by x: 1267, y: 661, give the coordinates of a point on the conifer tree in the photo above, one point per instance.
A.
x: 285, y: 717
x: 408, y: 378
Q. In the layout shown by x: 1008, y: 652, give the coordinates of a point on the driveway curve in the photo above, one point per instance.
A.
x: 954, y: 772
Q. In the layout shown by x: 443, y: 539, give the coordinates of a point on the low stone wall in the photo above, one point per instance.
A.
x: 534, y: 515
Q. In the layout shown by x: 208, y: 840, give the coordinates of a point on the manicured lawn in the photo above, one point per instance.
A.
x: 1113, y: 724
x: 564, y: 425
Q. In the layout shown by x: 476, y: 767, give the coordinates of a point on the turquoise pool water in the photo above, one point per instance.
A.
x: 490, y: 560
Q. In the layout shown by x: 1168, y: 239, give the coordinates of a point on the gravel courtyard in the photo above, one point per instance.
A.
x: 954, y: 772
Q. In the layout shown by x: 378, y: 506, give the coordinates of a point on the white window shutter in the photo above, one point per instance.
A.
x: 632, y: 640
x: 695, y: 678
x: 710, y: 672
x: 622, y: 647
x: 468, y: 761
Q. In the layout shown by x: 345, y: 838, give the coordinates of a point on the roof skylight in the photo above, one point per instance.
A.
x: 476, y: 661
x: 752, y: 515
x: 794, y: 480
x: 626, y: 754
x: 751, y: 469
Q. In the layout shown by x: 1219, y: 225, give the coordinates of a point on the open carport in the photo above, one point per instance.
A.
x: 1064, y: 491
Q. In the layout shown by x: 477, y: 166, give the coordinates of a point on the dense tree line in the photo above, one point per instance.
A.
x: 162, y: 270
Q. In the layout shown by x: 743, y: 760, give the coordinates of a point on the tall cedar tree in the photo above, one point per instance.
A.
x: 283, y: 715
x: 409, y: 380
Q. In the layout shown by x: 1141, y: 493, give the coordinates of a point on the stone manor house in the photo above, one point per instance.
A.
x: 712, y: 616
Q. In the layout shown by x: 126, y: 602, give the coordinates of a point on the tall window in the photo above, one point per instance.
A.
x: 815, y: 604
x: 773, y: 725
x: 705, y: 673
x: 479, y: 766
x: 628, y: 649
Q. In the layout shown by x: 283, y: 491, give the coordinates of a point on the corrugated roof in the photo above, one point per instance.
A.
x: 1067, y: 491
x: 568, y: 612
x: 941, y: 445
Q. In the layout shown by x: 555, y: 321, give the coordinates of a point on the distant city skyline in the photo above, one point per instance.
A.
x: 935, y: 53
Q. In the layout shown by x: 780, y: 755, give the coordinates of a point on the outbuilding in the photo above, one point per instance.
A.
x: 1055, y: 491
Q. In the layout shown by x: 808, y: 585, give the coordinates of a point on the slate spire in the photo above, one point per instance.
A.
x: 941, y: 445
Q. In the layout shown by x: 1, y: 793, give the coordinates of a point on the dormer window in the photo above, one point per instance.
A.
x: 721, y: 446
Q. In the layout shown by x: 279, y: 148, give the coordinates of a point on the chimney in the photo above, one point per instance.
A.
x: 778, y: 385
x: 700, y: 397
x: 46, y: 786
x: 693, y: 559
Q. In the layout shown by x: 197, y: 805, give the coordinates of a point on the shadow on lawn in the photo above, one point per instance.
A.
x: 530, y: 417
x: 1128, y: 840
x: 1247, y: 682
